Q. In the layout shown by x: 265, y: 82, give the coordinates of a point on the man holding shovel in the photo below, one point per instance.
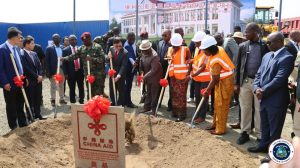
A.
x: 93, y: 53
x: 12, y: 94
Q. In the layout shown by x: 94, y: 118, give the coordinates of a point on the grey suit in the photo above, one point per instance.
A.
x: 231, y: 48
x: 119, y: 62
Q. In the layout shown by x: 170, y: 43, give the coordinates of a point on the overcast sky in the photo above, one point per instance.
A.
x: 35, y: 11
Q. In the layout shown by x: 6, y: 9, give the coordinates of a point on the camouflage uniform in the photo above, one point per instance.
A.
x: 97, y: 65
x: 101, y: 41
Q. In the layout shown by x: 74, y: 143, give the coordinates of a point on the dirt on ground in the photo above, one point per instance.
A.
x: 159, y: 143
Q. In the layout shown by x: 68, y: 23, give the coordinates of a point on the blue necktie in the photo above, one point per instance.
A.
x: 17, y: 62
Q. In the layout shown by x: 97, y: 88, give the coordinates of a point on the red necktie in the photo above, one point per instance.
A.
x: 116, y: 55
x: 76, y: 62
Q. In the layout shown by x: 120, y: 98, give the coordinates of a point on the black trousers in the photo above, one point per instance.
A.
x: 204, y: 107
x: 128, y: 87
x: 192, y: 89
x: 34, y: 98
x: 15, y: 108
x: 79, y: 80
x: 120, y: 89
x: 152, y: 96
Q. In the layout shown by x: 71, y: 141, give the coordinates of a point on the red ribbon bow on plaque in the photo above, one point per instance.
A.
x: 111, y: 72
x: 19, y: 80
x: 91, y: 79
x: 164, y: 82
x: 58, y: 78
x: 97, y: 107
x: 97, y: 127
x: 139, y: 80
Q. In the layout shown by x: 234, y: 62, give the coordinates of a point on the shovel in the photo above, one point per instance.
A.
x: 191, y: 125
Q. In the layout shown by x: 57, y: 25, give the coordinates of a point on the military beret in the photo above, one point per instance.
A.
x: 85, y: 35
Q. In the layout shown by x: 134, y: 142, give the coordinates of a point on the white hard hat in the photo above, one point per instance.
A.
x: 198, y: 36
x: 176, y: 40
x: 208, y: 41
x: 145, y: 45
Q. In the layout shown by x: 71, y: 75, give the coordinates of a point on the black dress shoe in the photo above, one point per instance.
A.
x: 257, y: 149
x: 41, y: 118
x: 132, y: 106
x: 243, y: 138
x: 265, y: 160
x: 293, y: 135
x: 179, y: 119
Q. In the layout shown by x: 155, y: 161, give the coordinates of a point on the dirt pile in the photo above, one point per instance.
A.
x: 159, y: 143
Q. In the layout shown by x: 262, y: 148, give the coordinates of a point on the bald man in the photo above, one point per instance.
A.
x: 293, y: 44
x: 247, y: 63
x: 271, y: 89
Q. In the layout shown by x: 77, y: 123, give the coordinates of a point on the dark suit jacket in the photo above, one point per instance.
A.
x: 120, y: 64
x: 292, y: 49
x: 273, y: 79
x: 7, y: 71
x: 162, y: 54
x: 240, y: 62
x: 51, y: 60
x: 32, y: 69
x: 39, y: 51
x: 69, y: 66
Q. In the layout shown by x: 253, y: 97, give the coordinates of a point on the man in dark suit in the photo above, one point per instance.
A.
x: 162, y: 49
x: 293, y: 45
x: 119, y: 56
x: 247, y: 64
x: 12, y: 94
x: 41, y: 55
x: 271, y: 88
x: 74, y: 71
x: 34, y: 74
x: 52, y: 54
x: 130, y: 46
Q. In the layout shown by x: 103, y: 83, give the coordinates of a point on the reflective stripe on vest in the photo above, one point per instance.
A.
x: 224, y: 61
x: 204, y: 76
x: 178, y: 68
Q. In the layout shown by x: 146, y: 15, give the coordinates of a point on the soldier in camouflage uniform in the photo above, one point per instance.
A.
x: 94, y: 53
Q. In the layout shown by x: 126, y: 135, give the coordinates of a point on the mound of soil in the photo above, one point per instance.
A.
x: 159, y: 143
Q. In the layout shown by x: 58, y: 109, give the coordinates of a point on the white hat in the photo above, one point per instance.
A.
x: 198, y: 36
x: 238, y: 35
x: 145, y: 45
x: 176, y: 40
x: 208, y: 41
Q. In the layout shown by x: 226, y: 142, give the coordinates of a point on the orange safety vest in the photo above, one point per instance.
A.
x: 199, y: 59
x: 222, y: 59
x: 178, y: 66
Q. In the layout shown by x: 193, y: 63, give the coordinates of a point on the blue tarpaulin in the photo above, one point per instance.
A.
x: 42, y: 32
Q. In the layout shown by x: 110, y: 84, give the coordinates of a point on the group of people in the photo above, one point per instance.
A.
x: 238, y: 70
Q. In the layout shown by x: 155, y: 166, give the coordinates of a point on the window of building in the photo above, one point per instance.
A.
x: 176, y: 17
x: 187, y: 15
x: 214, y: 28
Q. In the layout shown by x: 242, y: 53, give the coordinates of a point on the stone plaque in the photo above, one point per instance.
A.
x: 102, y: 144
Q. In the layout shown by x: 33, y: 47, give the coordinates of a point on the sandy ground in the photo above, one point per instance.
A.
x: 161, y: 147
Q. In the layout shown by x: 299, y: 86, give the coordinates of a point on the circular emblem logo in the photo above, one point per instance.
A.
x: 281, y: 151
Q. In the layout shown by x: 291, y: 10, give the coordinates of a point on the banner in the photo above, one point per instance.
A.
x: 154, y: 16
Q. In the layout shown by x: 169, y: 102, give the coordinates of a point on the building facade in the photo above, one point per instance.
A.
x: 293, y: 24
x: 154, y: 18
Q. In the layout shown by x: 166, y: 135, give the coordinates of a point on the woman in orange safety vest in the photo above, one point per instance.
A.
x: 221, y: 71
x: 200, y: 75
x: 179, y: 76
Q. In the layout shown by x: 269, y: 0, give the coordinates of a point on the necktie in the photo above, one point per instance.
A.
x: 20, y: 70
x: 76, y: 62
x: 32, y: 58
x: 116, y: 55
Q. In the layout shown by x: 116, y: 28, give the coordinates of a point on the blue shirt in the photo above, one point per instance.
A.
x: 58, y: 51
x: 16, y: 55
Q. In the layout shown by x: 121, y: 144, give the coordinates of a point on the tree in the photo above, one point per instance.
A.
x: 114, y: 23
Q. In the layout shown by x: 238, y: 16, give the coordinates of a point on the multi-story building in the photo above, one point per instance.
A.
x: 223, y: 15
